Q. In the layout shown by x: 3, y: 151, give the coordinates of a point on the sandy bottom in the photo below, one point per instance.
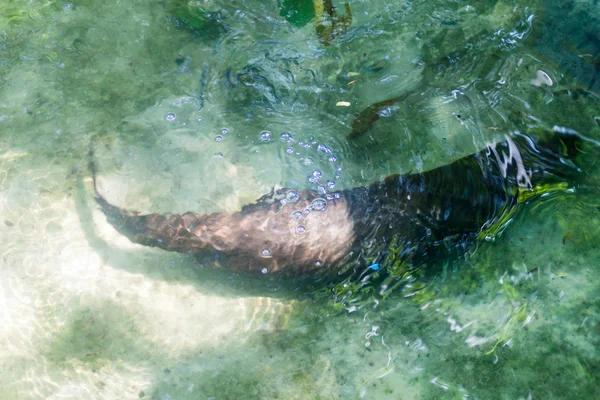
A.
x: 86, y: 314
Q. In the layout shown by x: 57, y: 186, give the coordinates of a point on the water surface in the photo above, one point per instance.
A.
x: 174, y: 95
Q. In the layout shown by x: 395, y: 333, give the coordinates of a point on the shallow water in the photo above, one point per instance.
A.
x: 175, y: 112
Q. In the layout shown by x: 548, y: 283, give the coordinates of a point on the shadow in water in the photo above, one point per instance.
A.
x: 170, y: 267
x: 105, y: 336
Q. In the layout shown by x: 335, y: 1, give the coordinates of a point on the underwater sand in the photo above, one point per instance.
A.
x: 86, y: 314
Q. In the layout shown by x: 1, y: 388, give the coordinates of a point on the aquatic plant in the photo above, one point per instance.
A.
x: 196, y: 16
x: 14, y: 12
x: 328, y: 23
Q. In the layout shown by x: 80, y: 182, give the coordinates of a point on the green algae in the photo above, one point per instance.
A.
x: 108, y: 90
x: 15, y: 12
x: 195, y: 16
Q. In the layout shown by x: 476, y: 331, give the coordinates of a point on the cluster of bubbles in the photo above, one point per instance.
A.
x: 219, y: 138
x: 316, y: 177
x: 291, y: 197
x: 170, y: 116
x: 266, y: 137
x: 324, y: 186
x: 318, y: 204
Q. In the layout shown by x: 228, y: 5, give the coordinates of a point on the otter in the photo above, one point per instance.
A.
x: 297, y: 233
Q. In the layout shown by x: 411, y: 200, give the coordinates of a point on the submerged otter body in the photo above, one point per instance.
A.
x: 303, y: 233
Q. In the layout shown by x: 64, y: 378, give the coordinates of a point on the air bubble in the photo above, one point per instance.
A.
x: 218, y: 138
x: 292, y: 196
x: 322, y: 189
x: 170, y: 116
x: 319, y: 263
x: 300, y: 229
x: 332, y: 159
x: 307, y: 161
x: 289, y: 150
x: 264, y: 270
x: 199, y: 119
x: 297, y: 214
x: 286, y: 137
x: 319, y: 204
x: 330, y: 184
x: 265, y: 136
x: 317, y: 174
x: 224, y: 131
x: 265, y: 252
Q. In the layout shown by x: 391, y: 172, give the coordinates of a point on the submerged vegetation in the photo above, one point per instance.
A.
x: 208, y: 19
x: 176, y: 95
x: 15, y: 12
x: 198, y: 17
x: 329, y: 24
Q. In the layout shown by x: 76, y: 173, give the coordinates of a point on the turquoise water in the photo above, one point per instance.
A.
x: 174, y: 101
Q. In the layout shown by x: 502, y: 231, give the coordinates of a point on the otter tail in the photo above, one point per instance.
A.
x: 131, y: 224
x: 170, y: 232
x: 113, y: 213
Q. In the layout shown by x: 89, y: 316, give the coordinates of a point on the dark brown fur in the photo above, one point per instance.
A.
x: 300, y: 233
x: 262, y: 235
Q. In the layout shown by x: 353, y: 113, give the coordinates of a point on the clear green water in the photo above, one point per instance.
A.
x: 88, y: 315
